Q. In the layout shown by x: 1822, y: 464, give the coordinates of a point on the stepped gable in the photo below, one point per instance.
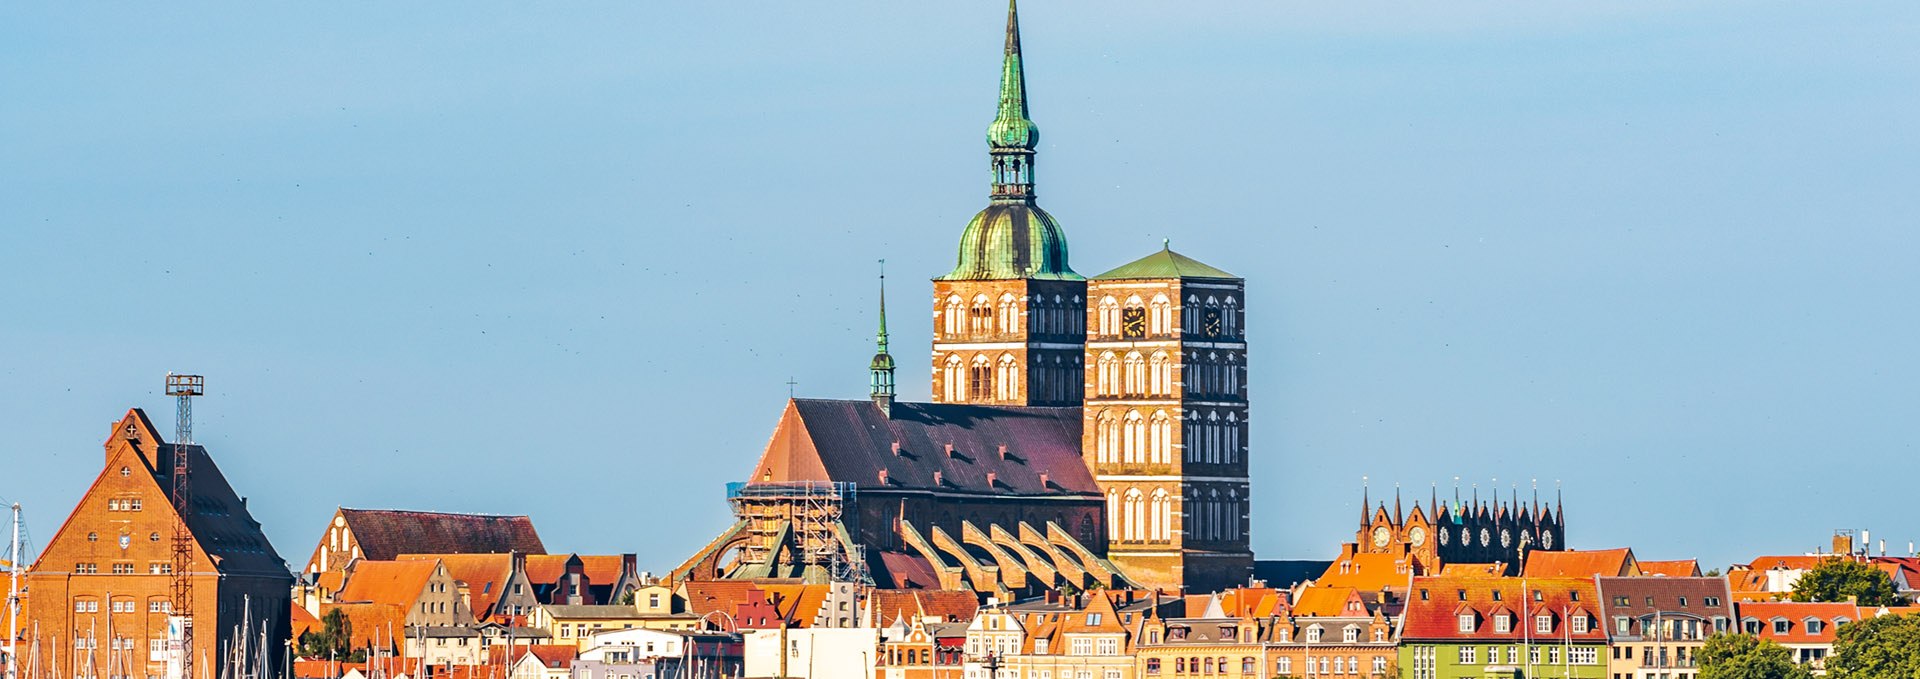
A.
x: 485, y: 575
x: 853, y: 441
x: 384, y: 534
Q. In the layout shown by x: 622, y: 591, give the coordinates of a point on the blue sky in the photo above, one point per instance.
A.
x: 561, y: 260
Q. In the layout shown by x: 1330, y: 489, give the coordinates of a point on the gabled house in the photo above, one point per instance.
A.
x: 1807, y: 629
x: 1482, y: 626
x: 1611, y: 563
x: 1656, y: 625
x: 385, y: 534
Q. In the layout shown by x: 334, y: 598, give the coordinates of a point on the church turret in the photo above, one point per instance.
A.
x: 880, y: 371
x: 1010, y: 318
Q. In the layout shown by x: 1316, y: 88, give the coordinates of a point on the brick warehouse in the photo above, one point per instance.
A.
x: 99, y: 595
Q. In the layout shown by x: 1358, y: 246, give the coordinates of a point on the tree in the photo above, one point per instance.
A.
x: 333, y: 641
x: 1744, y: 656
x: 1836, y: 579
x: 1885, y: 646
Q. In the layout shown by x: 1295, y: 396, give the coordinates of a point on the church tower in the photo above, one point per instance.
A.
x: 1008, y: 321
x: 1166, y: 421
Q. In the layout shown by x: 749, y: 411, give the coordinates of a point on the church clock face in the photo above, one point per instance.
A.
x: 1133, y: 323
x: 1417, y: 536
x: 1381, y: 535
x: 1210, y: 322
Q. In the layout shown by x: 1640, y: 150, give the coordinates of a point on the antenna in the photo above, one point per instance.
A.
x: 183, y: 388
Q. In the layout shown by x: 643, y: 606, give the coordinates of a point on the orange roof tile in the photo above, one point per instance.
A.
x: 1329, y: 602
x: 726, y: 596
x: 546, y: 568
x: 1798, y: 562
x: 483, y: 574
x: 1467, y: 570
x: 1684, y: 568
x: 603, y: 569
x: 1581, y: 564
x: 368, y: 621
x: 303, y: 621
x: 1370, y: 572
x: 1795, y: 613
x: 387, y: 582
x: 888, y: 605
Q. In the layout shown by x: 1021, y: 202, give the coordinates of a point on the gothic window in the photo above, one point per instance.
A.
x: 980, y: 380
x: 1233, y: 438
x: 1107, y: 378
x: 1160, y: 438
x: 1162, y: 515
x: 1190, y: 437
x: 980, y: 316
x: 955, y: 381
x: 1113, y: 514
x: 1107, y: 437
x: 1217, y: 520
x: 1190, y: 314
x: 1211, y: 435
x: 1007, y: 383
x: 1230, y: 318
x: 1109, y: 316
x: 1233, y: 515
x: 1231, y: 373
x: 1135, y: 525
x: 1136, y: 374
x: 1086, y: 530
x: 1160, y: 372
x: 956, y: 311
x: 1009, y: 314
x: 1161, y: 321
x: 1136, y: 438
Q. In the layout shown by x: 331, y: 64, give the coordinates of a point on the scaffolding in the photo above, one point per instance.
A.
x: 816, y: 520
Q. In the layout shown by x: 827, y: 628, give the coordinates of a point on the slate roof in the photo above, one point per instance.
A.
x: 853, y: 441
x: 1704, y: 598
x: 387, y: 533
x: 1165, y: 264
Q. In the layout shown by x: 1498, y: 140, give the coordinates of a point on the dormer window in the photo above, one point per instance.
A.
x: 1503, y: 623
x: 1313, y: 634
x: 1814, y: 626
x: 1543, y: 624
x: 1466, y: 622
x: 1350, y: 634
x: 1093, y: 618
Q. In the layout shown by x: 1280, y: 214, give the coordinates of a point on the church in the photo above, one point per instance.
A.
x: 1082, y: 432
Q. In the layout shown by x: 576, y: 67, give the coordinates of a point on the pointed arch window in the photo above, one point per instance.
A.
x: 955, y: 316
x: 1160, y: 374
x: 1106, y: 437
x: 1136, y: 374
x: 1162, y: 506
x: 1107, y: 382
x: 1230, y: 318
x: 1113, y: 514
x: 1007, y: 381
x: 1160, y: 315
x: 1135, y: 524
x: 1109, y: 316
x: 1009, y: 314
x: 980, y: 316
x: 980, y: 380
x: 1232, y: 431
x: 954, y: 381
x: 1136, y: 438
x: 1160, y: 438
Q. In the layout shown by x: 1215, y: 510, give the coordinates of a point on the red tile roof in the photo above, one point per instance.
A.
x: 1684, y: 568
x: 888, y: 605
x: 1796, y: 613
x: 545, y: 569
x: 1329, y: 602
x: 387, y: 582
x: 369, y: 621
x: 1581, y: 564
x: 302, y: 620
x: 1435, y: 605
x: 726, y: 596
x: 386, y: 533
x: 483, y: 574
x: 1370, y: 572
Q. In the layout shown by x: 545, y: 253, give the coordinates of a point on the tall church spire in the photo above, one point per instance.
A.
x: 880, y: 371
x: 1012, y: 136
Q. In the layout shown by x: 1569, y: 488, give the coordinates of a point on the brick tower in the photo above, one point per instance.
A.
x: 1166, y: 420
x: 1008, y: 320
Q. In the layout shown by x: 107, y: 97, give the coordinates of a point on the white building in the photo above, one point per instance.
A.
x: 811, y: 653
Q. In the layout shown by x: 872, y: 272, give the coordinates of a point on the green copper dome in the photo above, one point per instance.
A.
x: 1012, y: 240
x: 1013, y: 237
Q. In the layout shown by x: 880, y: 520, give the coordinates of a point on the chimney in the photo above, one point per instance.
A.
x: 993, y: 480
x: 1842, y: 542
x: 939, y: 479
x: 1003, y: 451
x: 883, y: 477
x: 1044, y: 483
x: 896, y: 448
x: 949, y: 450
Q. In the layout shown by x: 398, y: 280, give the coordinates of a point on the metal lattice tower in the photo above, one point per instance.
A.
x: 183, y: 388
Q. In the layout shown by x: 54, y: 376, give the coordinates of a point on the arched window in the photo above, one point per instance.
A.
x: 1009, y: 314
x: 980, y: 316
x: 1107, y: 381
x: 1190, y: 437
x: 1160, y: 372
x: 1106, y: 436
x: 1007, y: 382
x: 1211, y: 435
x: 1231, y: 374
x: 1136, y: 374
x: 1109, y: 316
x: 1135, y: 524
x: 1233, y: 515
x: 1160, y: 316
x: 980, y: 380
x: 1233, y: 438
x: 954, y: 381
x: 1160, y: 438
x: 956, y: 311
x: 1113, y: 514
x: 1136, y: 438
x: 1162, y: 526
x: 1230, y: 318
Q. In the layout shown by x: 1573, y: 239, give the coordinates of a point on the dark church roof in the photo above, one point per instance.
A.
x: 384, y: 534
x: 854, y: 441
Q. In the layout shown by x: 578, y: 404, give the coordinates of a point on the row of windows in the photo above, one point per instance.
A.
x: 1211, y: 516
x: 131, y: 504
x: 1137, y: 438
x: 1132, y: 517
x: 123, y: 568
x: 87, y: 605
x: 1542, y: 624
x: 985, y: 316
x: 1132, y: 319
x: 1576, y: 655
x: 1282, y: 666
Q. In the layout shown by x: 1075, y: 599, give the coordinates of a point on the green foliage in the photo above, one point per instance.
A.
x: 1713, y: 573
x: 1886, y: 646
x: 1836, y: 579
x: 334, y: 641
x: 1743, y: 656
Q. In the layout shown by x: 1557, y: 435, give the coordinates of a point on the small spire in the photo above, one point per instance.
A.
x: 1366, y: 503
x: 1398, y: 517
x: 880, y: 370
x: 1012, y: 136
